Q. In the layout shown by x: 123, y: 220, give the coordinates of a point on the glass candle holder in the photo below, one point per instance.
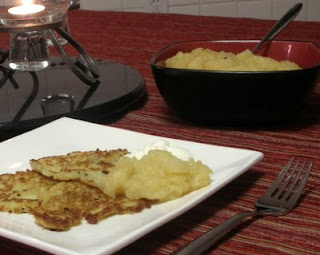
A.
x: 31, y: 13
x: 28, y: 51
x: 27, y: 22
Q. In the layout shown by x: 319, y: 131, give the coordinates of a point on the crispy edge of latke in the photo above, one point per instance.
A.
x: 54, y: 220
x: 120, y: 207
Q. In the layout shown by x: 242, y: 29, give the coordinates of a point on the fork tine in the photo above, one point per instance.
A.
x: 294, y: 181
x: 292, y: 175
x: 279, y: 179
x: 296, y: 194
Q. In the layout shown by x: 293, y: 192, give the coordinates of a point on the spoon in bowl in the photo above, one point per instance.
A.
x: 280, y: 25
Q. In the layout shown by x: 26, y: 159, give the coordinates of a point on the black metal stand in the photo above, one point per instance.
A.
x: 83, y: 66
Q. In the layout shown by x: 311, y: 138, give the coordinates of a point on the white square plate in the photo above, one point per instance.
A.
x: 65, y: 135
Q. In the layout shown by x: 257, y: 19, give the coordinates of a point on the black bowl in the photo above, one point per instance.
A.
x: 238, y: 96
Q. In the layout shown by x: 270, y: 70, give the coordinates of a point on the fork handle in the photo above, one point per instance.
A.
x: 205, y: 241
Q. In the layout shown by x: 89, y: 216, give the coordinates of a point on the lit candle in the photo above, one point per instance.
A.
x: 26, y: 8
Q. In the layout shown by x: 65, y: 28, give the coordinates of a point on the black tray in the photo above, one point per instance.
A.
x: 31, y: 99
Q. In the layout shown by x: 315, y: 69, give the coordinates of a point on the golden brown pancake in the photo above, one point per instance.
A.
x: 59, y: 205
x: 90, y: 167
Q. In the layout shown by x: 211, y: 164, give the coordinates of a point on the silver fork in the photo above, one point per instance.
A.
x: 279, y: 199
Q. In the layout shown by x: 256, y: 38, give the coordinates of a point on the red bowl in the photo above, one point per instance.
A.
x: 239, y: 96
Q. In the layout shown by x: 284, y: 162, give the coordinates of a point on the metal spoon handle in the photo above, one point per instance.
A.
x: 280, y: 25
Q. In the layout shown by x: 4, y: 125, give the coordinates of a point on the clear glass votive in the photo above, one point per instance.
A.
x: 28, y: 51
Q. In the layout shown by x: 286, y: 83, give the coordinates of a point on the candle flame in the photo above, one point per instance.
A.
x: 26, y: 7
